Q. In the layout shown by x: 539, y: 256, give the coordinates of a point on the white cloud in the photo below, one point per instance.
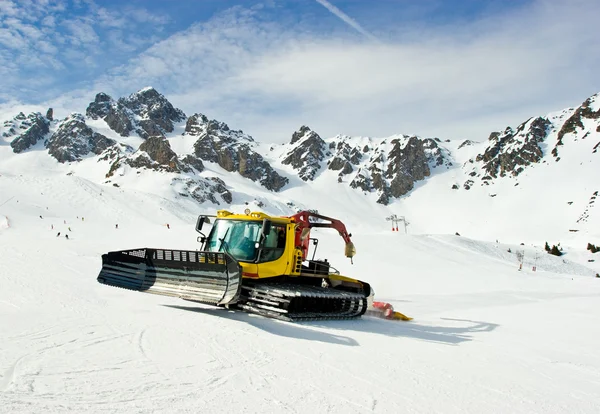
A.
x: 81, y: 31
x: 455, y: 82
x: 40, y: 38
x: 448, y: 81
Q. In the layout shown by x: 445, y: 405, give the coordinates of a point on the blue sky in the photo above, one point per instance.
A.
x: 456, y: 69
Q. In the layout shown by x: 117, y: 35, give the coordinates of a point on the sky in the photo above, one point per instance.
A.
x: 451, y: 69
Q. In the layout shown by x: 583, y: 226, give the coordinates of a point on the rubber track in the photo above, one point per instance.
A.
x: 301, y: 303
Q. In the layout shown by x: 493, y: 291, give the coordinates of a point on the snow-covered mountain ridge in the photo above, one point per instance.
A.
x: 548, y: 162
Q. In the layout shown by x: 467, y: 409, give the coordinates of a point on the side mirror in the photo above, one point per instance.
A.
x: 200, y: 223
x: 266, y: 227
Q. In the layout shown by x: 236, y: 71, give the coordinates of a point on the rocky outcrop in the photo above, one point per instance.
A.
x: 155, y: 115
x: 27, y: 130
x: 74, y: 139
x: 465, y: 143
x: 346, y: 157
x: 394, y: 167
x: 115, y: 114
x: 146, y: 112
x: 508, y: 153
x: 589, y: 109
x: 307, y: 153
x: 211, y: 189
x: 232, y: 151
x: 156, y: 153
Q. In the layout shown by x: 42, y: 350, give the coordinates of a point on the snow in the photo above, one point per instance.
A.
x: 489, y: 334
x: 486, y: 337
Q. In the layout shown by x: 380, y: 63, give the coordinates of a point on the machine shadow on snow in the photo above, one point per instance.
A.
x: 272, y: 326
x: 451, y: 335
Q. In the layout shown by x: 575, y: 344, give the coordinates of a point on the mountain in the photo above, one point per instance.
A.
x: 546, y: 163
x: 499, y: 325
x: 511, y: 152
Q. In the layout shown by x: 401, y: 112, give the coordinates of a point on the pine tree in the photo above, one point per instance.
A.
x: 547, y: 247
x: 555, y: 251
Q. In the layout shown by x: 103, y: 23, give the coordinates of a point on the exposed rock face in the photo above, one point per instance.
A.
x: 27, y: 130
x: 393, y: 168
x: 465, y: 143
x: 146, y: 112
x: 116, y: 116
x: 156, y: 114
x: 232, y: 150
x: 50, y: 114
x: 345, y: 157
x: 194, y: 162
x: 388, y: 168
x: 307, y: 153
x: 156, y: 153
x: 588, y: 110
x: 512, y: 151
x: 73, y: 139
x: 211, y: 189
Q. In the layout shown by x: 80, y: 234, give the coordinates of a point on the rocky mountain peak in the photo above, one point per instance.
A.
x: 588, y: 110
x: 147, y: 112
x: 199, y: 124
x: 307, y: 153
x: 26, y: 130
x: 393, y: 167
x: 232, y: 150
x: 74, y: 139
x: 513, y: 150
x: 155, y: 114
x: 301, y: 133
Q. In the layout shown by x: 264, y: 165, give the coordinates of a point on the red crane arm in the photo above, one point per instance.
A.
x: 304, y: 226
x: 303, y: 219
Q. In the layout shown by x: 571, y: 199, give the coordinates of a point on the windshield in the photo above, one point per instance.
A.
x: 236, y: 237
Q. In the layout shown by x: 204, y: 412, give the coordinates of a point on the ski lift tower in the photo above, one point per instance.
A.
x: 397, y: 219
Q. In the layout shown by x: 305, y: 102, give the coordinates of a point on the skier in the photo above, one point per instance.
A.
x: 116, y: 226
x: 52, y: 227
x: 169, y: 227
x: 41, y: 217
x: 67, y: 236
x: 69, y: 228
x: 58, y: 234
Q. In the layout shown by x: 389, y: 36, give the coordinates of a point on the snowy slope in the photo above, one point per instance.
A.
x: 486, y: 338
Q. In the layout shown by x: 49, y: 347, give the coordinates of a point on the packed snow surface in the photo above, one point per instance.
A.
x: 486, y: 337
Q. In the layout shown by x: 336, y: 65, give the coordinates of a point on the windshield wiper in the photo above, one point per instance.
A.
x: 223, y: 242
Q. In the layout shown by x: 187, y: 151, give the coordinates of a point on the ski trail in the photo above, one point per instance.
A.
x: 9, y: 375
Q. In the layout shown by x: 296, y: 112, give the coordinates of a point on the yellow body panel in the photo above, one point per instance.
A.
x: 289, y: 262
